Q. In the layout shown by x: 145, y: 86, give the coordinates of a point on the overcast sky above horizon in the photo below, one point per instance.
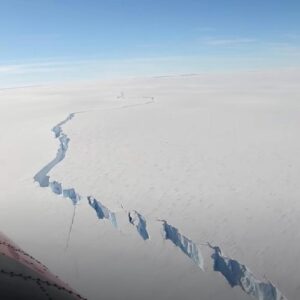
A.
x: 76, y: 39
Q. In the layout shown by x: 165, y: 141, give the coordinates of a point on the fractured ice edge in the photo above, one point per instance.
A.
x: 234, y: 272
x: 187, y: 246
x: 238, y: 274
x: 42, y: 176
x: 102, y: 211
x: 139, y: 222
x: 71, y: 194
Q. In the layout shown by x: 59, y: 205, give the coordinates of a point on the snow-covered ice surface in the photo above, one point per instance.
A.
x: 215, y: 156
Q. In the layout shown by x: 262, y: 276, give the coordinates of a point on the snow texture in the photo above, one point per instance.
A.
x: 235, y: 273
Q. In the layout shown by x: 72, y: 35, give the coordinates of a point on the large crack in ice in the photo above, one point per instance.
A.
x: 238, y: 274
x: 102, y: 211
x: 187, y: 246
x: 42, y: 176
x: 137, y: 220
x: 235, y: 273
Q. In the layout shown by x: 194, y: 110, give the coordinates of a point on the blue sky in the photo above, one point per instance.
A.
x: 82, y: 39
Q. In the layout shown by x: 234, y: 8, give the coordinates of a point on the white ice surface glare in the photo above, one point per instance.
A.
x: 216, y: 155
x: 234, y: 272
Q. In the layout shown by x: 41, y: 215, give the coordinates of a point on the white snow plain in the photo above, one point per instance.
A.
x: 178, y: 162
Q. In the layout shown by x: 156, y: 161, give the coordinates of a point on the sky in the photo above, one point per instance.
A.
x: 44, y: 40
